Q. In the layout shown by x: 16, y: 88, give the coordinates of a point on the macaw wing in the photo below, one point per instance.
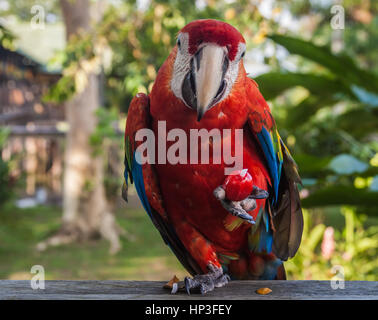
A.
x: 287, y: 217
x: 265, y: 131
x: 146, y: 181
x: 284, y: 205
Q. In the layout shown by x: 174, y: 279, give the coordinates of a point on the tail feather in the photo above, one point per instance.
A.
x: 288, y: 218
x: 260, y: 238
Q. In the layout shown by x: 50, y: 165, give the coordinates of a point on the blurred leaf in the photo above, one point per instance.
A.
x: 359, y: 122
x: 61, y: 91
x: 374, y: 184
x: 315, y: 236
x: 6, y: 38
x: 341, y: 65
x: 365, y: 96
x: 301, y: 113
x: 347, y: 164
x: 6, y: 185
x: 307, y: 182
x: 370, y: 172
x: 273, y: 84
x: 341, y: 195
x: 310, y: 165
x: 4, y: 134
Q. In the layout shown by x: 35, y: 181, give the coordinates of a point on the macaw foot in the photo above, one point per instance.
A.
x: 207, y: 282
x: 239, y: 208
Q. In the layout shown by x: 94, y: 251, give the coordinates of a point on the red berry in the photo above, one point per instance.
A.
x: 238, y: 185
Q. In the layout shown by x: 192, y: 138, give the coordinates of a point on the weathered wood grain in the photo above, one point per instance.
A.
x: 148, y: 290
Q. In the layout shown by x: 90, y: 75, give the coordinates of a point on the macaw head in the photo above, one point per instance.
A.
x: 209, y: 55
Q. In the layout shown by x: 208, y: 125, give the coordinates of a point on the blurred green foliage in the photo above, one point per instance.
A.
x: 6, y: 38
x: 354, y: 248
x: 107, y: 140
x: 138, y: 40
x: 78, y: 59
x: 106, y: 129
x: 331, y: 129
x: 5, y: 179
x: 325, y: 107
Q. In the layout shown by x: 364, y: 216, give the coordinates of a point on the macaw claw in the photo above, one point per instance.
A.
x: 258, y: 193
x: 207, y: 282
x: 239, y: 208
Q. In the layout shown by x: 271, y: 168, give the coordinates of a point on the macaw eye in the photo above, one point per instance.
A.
x: 179, y: 43
x: 242, y: 55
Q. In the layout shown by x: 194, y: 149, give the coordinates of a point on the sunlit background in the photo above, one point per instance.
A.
x: 315, y: 63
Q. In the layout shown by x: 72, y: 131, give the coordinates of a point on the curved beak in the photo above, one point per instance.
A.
x: 204, y: 85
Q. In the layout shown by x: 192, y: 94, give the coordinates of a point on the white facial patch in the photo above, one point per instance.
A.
x: 233, y: 70
x: 182, y: 67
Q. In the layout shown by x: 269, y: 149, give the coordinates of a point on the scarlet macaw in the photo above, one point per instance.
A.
x: 203, y: 85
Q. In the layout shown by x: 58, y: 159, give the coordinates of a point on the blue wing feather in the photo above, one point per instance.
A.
x: 274, y: 164
x: 137, y: 174
x: 270, y: 270
x: 126, y: 175
x: 134, y: 167
x: 266, y: 235
x: 261, y: 238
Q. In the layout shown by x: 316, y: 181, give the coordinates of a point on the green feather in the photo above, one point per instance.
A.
x: 225, y: 258
x: 254, y: 234
x: 128, y: 153
x: 234, y: 224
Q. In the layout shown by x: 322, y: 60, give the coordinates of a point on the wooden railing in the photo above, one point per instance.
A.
x: 148, y: 290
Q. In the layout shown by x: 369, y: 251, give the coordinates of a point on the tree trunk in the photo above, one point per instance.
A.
x: 86, y: 213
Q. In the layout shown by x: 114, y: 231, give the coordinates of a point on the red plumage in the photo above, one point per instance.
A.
x: 182, y: 194
x: 222, y: 34
x: 187, y: 190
